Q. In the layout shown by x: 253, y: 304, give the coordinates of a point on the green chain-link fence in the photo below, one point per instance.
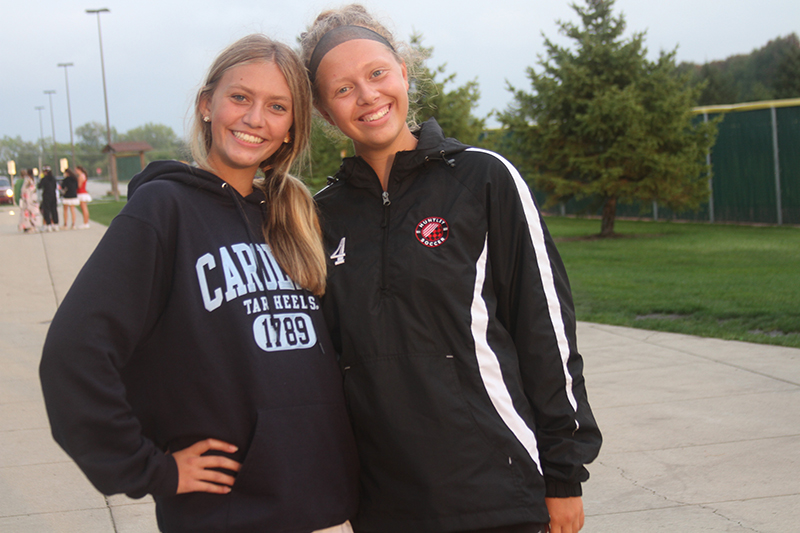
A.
x: 747, y: 184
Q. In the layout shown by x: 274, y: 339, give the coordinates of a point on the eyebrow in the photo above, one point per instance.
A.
x: 245, y: 88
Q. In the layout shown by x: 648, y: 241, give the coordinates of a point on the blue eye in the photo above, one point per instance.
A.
x: 377, y: 73
x: 238, y: 97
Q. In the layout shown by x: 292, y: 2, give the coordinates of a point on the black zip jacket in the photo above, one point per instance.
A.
x: 452, y: 314
x: 180, y: 327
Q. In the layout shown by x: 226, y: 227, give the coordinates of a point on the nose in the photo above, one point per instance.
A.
x: 367, y: 94
x: 255, y: 116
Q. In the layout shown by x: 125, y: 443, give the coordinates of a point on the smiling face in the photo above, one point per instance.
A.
x: 363, y: 91
x: 251, y: 113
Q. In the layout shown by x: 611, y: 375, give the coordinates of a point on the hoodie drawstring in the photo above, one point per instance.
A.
x: 448, y: 161
x: 253, y: 241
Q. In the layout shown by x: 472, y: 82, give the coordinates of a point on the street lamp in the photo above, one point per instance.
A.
x: 39, y: 108
x: 69, y: 111
x: 111, y: 169
x: 50, y: 94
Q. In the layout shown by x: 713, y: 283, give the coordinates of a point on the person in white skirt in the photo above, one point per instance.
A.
x: 83, y: 197
x: 69, y: 187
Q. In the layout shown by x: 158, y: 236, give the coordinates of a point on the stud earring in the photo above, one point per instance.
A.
x: 288, y: 138
x: 206, y: 119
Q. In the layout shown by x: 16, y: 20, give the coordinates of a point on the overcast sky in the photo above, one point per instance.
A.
x: 157, y: 51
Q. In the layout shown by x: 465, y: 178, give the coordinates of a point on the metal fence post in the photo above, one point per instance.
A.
x: 710, y: 181
x: 775, y: 153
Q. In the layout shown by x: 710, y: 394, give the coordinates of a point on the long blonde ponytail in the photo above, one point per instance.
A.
x: 292, y: 229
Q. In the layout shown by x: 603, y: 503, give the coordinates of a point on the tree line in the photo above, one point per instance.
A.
x: 767, y: 73
x: 90, y: 139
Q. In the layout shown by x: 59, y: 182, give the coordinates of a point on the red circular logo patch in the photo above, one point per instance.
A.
x: 432, y: 231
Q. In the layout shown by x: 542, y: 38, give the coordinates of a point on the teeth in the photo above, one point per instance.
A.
x: 375, y: 116
x: 246, y: 137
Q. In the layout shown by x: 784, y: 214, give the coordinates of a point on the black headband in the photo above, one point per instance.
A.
x: 337, y: 36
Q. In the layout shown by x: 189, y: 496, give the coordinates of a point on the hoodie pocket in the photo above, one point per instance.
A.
x: 420, y: 447
x: 300, y: 470
x: 299, y: 474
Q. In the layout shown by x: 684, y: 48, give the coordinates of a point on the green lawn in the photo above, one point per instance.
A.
x: 723, y: 281
x: 103, y: 211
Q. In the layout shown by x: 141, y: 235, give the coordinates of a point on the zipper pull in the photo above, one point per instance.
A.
x: 386, y: 200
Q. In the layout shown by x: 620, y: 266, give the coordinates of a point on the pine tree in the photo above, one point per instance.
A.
x: 604, y: 122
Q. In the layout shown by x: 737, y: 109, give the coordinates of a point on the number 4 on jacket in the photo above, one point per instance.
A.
x: 339, y: 253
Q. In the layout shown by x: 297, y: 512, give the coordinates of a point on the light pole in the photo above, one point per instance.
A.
x: 39, y: 108
x: 69, y: 111
x: 50, y: 94
x: 111, y: 169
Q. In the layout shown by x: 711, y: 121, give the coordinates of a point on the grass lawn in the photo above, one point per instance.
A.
x: 104, y: 210
x: 723, y: 281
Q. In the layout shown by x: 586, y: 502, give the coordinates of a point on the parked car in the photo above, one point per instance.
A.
x: 6, y: 191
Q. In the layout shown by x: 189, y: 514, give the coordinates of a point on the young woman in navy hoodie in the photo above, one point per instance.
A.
x: 190, y: 360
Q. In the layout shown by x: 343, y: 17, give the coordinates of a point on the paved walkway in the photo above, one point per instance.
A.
x: 700, y: 434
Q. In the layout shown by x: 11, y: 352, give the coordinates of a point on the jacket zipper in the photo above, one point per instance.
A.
x: 385, y: 248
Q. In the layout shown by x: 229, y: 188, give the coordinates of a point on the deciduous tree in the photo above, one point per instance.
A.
x: 166, y: 144
x: 453, y: 109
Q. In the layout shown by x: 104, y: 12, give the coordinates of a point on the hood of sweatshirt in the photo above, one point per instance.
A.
x: 190, y: 176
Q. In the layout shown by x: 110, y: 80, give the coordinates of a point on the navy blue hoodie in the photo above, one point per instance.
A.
x: 181, y: 327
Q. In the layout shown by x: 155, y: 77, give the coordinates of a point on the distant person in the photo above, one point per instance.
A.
x: 190, y: 359
x: 18, y: 186
x: 83, y: 197
x: 450, y: 308
x: 49, y: 202
x: 30, y: 217
x: 69, y: 197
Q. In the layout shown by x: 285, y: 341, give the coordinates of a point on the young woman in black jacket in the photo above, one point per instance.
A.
x: 450, y: 308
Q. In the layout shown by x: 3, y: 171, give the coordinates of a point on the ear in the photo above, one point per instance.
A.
x: 324, y: 114
x: 203, y: 107
x: 404, y: 70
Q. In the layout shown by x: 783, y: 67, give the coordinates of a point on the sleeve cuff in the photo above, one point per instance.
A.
x: 561, y: 489
x: 165, y: 484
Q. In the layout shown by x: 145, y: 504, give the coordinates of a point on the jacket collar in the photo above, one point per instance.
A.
x: 432, y: 146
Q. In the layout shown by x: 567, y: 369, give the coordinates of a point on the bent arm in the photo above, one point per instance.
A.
x: 110, y: 307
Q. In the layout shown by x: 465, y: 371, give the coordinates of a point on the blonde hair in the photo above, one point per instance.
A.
x: 290, y: 225
x: 355, y: 15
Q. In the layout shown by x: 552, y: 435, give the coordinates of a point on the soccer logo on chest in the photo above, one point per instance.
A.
x: 432, y: 231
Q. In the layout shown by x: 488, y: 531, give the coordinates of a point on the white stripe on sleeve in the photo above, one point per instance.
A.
x: 489, y: 366
x: 545, y: 270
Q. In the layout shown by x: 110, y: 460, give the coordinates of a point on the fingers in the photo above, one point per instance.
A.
x: 566, y: 514
x: 196, y: 471
x: 203, y: 446
x: 218, y: 461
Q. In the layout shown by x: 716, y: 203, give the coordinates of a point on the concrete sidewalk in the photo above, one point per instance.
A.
x: 700, y: 434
